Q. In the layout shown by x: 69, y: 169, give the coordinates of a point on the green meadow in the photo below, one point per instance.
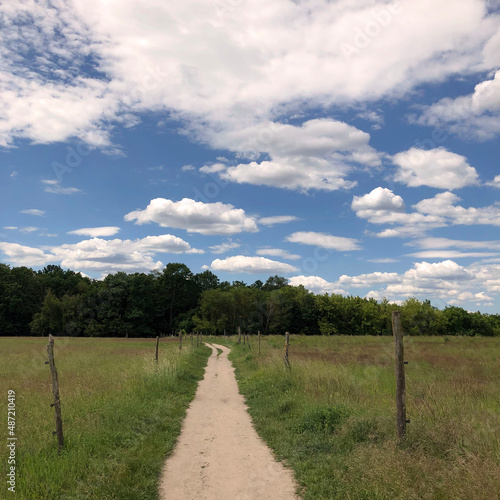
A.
x: 122, y: 413
x: 332, y: 416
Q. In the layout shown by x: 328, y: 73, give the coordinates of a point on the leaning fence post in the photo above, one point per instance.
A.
x: 55, y: 391
x: 239, y: 335
x: 287, y: 345
x: 400, y: 374
x: 157, y: 342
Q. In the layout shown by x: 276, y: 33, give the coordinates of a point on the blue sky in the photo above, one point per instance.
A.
x: 349, y: 146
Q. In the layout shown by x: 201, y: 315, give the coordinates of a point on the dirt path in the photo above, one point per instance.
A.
x: 219, y: 456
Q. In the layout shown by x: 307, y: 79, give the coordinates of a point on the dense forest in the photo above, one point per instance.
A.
x: 63, y: 302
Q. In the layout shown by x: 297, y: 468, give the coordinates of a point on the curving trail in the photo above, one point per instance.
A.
x: 219, y: 455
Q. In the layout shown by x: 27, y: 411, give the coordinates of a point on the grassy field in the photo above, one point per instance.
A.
x: 122, y: 413
x: 332, y: 416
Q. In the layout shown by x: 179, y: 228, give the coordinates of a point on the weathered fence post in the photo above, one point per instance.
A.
x: 180, y: 340
x: 287, y: 345
x: 397, y: 330
x: 258, y: 333
x: 192, y: 339
x: 55, y: 391
x: 157, y: 343
x: 239, y: 335
x: 197, y: 339
x: 248, y: 340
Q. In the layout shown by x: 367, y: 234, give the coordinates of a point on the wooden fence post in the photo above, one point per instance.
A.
x: 157, y: 342
x: 287, y: 345
x: 192, y: 339
x: 197, y: 339
x: 397, y: 330
x: 55, y: 391
x: 248, y: 340
x: 239, y: 335
x: 180, y: 340
x: 258, y: 333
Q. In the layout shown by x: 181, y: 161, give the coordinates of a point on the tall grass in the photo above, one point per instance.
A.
x: 332, y: 417
x: 122, y: 413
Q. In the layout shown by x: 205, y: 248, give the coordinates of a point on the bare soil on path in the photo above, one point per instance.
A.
x: 219, y: 455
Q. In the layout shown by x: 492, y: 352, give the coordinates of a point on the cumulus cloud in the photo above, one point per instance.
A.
x: 20, y: 255
x: 324, y: 240
x: 97, y: 254
x: 364, y: 280
x: 316, y: 284
x: 436, y: 168
x: 195, y: 216
x: 278, y: 252
x: 378, y: 200
x: 476, y: 115
x: 381, y: 206
x: 95, y: 232
x: 445, y: 205
x: 319, y: 154
x: 445, y: 281
x: 495, y: 182
x: 251, y: 265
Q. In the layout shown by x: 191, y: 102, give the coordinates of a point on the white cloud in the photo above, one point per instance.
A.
x: 378, y: 200
x: 224, y: 66
x: 11, y: 228
x: 278, y: 252
x: 436, y: 168
x: 28, y: 229
x: 251, y: 265
x: 214, y: 168
x: 224, y: 247
x: 444, y: 205
x: 316, y: 284
x: 53, y: 186
x: 474, y: 116
x: 324, y: 240
x: 446, y: 282
x: 95, y: 232
x: 195, y: 216
x: 277, y: 219
x: 450, y: 254
x: 34, y: 211
x: 319, y: 154
x: 439, y: 248
x: 20, y: 255
x: 101, y: 255
x: 495, y: 182
x: 364, y: 280
x: 381, y: 206
x: 439, y: 243
x: 188, y: 168
x: 120, y: 255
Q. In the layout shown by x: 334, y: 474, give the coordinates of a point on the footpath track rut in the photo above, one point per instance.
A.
x: 219, y: 455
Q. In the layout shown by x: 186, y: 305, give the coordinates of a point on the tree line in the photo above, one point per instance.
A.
x: 63, y: 302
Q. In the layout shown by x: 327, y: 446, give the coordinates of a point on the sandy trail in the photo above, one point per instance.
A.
x: 219, y: 455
